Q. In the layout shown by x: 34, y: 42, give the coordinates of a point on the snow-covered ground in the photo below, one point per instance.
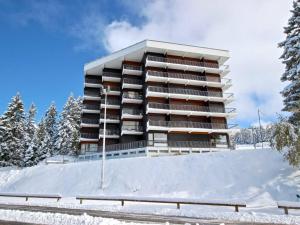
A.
x: 259, y: 177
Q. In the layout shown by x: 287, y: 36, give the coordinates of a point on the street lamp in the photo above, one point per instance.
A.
x: 105, y: 91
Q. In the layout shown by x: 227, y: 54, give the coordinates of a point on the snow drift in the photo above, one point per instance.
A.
x: 256, y: 176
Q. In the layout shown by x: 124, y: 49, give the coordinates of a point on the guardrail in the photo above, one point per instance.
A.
x: 288, y: 205
x: 27, y: 196
x: 176, y: 201
x: 132, y: 81
x: 111, y: 74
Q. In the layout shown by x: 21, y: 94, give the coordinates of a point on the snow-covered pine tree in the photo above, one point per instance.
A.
x: 51, y: 132
x: 69, y: 127
x: 4, y: 151
x: 291, y: 59
x: 13, y: 132
x: 29, y: 159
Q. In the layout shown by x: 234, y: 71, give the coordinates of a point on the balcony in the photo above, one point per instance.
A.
x: 91, y: 95
x: 113, y: 90
x: 132, y: 130
x: 189, y: 94
x: 89, y: 137
x: 131, y: 114
x: 110, y: 104
x: 134, y: 98
x: 93, y: 83
x: 111, y: 76
x: 190, y: 110
x: 110, y: 118
x: 132, y: 83
x: 87, y: 122
x: 91, y: 108
x: 187, y: 79
x: 114, y: 134
x: 190, y: 127
x: 186, y: 65
x: 132, y: 70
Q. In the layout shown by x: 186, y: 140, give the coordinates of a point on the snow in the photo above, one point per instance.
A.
x: 258, y: 177
x: 57, y: 218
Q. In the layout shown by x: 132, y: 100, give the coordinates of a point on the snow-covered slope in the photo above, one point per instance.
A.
x: 257, y: 176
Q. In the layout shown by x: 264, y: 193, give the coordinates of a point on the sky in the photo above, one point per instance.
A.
x: 45, y: 44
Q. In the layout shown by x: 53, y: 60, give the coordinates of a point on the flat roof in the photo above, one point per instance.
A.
x: 136, y: 51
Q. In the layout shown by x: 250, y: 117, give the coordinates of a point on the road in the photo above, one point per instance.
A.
x: 123, y: 216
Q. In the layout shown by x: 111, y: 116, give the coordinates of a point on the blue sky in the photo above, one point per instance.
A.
x: 44, y: 44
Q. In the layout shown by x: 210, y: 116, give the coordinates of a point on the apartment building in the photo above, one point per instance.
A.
x: 162, y: 97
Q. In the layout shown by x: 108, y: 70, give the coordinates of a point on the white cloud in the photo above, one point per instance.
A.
x: 250, y: 29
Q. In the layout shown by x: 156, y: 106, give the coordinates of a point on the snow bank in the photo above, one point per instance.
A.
x: 57, y: 218
x: 259, y: 177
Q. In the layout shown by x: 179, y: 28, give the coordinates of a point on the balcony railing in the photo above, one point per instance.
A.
x: 191, y: 108
x: 91, y: 107
x: 132, y: 111
x: 186, y: 91
x: 91, y: 93
x: 89, y: 135
x: 132, y: 96
x: 177, y: 75
x: 132, y: 81
x: 188, y: 124
x: 111, y: 74
x: 144, y: 143
x: 186, y: 76
x: 132, y: 67
x: 132, y: 128
x: 110, y: 116
x: 109, y: 132
x: 182, y: 61
x: 113, y: 88
x: 111, y: 102
x: 92, y: 81
x: 90, y: 121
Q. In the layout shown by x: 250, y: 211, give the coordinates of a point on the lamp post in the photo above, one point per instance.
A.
x: 105, y: 91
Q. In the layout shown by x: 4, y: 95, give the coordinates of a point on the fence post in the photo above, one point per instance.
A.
x: 178, y: 205
x: 236, y: 208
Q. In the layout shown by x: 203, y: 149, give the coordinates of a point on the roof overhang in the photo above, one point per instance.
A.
x: 135, y: 53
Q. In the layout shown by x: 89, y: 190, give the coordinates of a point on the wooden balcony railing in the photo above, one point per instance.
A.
x: 91, y: 93
x: 186, y: 91
x: 132, y: 81
x: 92, y: 81
x: 111, y: 74
x: 89, y: 135
x: 132, y: 96
x: 89, y: 121
x: 132, y: 67
x: 182, y: 61
x: 110, y: 116
x: 109, y: 132
x: 188, y: 124
x: 91, y: 107
x: 196, y: 108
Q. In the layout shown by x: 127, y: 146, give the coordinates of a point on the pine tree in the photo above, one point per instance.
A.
x: 291, y: 59
x: 13, y: 132
x: 69, y: 127
x: 51, y: 132
x: 29, y: 155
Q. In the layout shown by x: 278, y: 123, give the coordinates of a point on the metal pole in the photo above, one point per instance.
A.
x: 103, y: 142
x: 253, y: 139
x: 260, y: 129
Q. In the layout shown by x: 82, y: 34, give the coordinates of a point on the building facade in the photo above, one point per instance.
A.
x: 163, y: 96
